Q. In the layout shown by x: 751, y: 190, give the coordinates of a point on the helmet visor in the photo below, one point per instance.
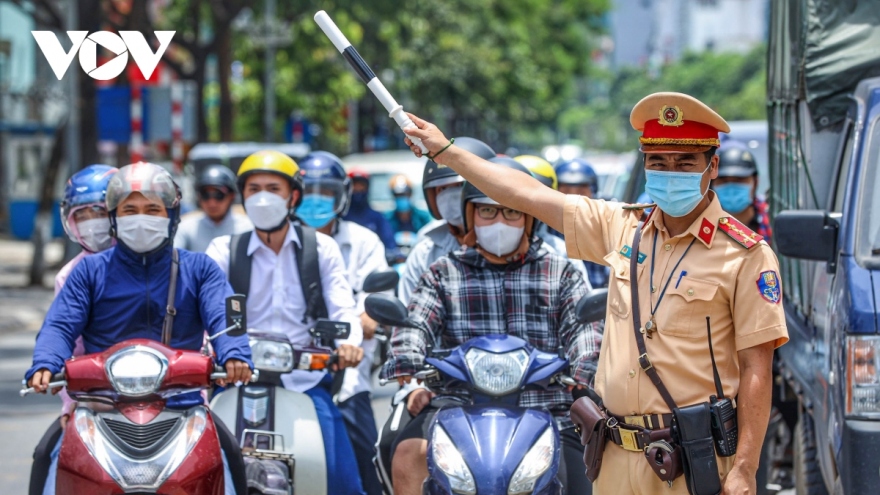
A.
x: 329, y: 188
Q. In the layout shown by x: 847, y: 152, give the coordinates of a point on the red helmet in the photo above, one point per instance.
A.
x: 359, y: 174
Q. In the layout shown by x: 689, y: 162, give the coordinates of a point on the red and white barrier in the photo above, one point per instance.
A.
x: 136, y: 145
x: 177, y: 125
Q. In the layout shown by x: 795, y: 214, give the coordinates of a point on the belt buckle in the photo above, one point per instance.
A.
x: 628, y: 440
x: 644, y: 359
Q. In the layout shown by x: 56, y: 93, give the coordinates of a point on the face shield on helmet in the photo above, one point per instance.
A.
x: 83, y: 213
x: 323, y: 200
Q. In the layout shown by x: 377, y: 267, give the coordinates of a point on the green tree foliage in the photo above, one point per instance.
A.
x: 732, y: 84
x: 490, y: 68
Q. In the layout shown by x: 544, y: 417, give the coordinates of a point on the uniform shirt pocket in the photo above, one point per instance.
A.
x: 619, y: 292
x: 685, y: 307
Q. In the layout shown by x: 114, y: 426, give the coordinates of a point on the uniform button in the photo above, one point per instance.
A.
x: 632, y: 373
x: 690, y: 292
x: 667, y: 247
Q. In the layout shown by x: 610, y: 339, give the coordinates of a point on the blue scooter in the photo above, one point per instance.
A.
x: 481, y: 441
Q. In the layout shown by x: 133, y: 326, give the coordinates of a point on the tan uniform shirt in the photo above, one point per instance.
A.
x: 737, y: 288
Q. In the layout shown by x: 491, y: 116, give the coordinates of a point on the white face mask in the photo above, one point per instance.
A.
x: 449, y: 204
x: 499, y: 238
x: 95, y: 234
x: 266, y: 210
x: 142, y: 233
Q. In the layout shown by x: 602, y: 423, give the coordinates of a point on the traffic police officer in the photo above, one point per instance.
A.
x: 695, y: 261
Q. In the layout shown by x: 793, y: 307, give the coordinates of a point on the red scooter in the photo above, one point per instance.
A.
x: 121, y: 438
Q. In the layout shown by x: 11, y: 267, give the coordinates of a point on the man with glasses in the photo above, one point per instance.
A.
x: 504, y: 281
x: 216, y: 192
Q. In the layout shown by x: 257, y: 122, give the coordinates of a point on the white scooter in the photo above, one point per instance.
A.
x: 277, y: 428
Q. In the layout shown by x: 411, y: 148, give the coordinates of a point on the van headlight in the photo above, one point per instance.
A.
x: 533, y: 465
x: 497, y: 374
x: 136, y: 371
x: 863, y: 380
x: 271, y: 355
x: 449, y: 460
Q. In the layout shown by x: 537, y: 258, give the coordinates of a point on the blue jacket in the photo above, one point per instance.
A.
x: 118, y: 294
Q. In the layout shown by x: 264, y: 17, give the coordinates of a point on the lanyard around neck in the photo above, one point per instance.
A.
x: 668, y: 279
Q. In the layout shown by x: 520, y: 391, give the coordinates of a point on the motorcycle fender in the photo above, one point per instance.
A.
x: 297, y: 422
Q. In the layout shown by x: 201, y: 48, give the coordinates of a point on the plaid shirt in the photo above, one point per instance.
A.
x: 463, y: 296
x: 761, y: 222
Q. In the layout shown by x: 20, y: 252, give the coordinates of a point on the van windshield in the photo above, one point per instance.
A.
x: 868, y: 234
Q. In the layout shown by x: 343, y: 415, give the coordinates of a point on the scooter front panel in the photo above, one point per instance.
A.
x: 493, y: 441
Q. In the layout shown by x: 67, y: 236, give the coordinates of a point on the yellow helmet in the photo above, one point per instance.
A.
x: 273, y: 162
x: 541, y: 169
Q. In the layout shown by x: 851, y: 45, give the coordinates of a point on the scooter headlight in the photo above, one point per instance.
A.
x: 136, y: 371
x: 449, y: 460
x: 137, y: 474
x: 269, y: 355
x: 533, y: 465
x: 497, y: 374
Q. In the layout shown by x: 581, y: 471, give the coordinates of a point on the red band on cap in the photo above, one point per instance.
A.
x: 688, y: 133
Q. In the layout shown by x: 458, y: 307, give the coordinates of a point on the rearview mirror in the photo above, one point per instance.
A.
x: 592, y: 306
x: 387, y: 310
x: 381, y: 281
x: 808, y: 235
x: 236, y: 315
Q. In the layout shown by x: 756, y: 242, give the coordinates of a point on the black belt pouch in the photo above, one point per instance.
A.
x: 693, y: 429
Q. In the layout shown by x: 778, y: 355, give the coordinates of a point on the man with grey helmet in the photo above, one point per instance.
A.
x: 216, y: 193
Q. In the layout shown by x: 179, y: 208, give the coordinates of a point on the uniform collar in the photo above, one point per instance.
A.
x: 256, y: 243
x: 342, y: 234
x: 703, y: 228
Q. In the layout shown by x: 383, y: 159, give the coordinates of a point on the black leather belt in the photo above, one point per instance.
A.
x: 649, y: 421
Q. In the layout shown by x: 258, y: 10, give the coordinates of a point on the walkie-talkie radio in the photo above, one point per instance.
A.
x: 725, y: 427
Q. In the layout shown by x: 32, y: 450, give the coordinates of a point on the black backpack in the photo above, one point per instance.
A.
x: 306, y: 263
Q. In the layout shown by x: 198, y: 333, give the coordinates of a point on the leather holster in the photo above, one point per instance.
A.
x: 591, y: 423
x: 664, y: 456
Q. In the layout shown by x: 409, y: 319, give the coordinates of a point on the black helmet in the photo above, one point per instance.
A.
x: 217, y: 176
x: 736, y: 160
x: 470, y: 192
x: 440, y: 175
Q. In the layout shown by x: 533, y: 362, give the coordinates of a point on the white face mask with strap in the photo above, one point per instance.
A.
x: 449, y: 204
x: 266, y: 210
x: 142, y: 233
x: 499, y: 238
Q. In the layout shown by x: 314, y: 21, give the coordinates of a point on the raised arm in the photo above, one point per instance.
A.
x: 509, y: 187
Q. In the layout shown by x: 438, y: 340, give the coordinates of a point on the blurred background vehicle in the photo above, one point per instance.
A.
x: 382, y: 165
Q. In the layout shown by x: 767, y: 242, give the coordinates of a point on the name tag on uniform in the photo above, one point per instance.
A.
x: 627, y: 253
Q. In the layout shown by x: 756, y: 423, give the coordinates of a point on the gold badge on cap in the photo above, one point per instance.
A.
x: 671, y: 116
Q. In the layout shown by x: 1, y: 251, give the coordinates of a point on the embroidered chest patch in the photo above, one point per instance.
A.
x: 626, y: 251
x: 768, y: 286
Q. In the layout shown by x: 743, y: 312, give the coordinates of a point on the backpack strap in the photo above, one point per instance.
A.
x: 309, y: 272
x: 239, y: 263
x: 170, y: 310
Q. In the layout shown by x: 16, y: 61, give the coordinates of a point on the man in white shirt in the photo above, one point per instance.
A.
x: 216, y: 190
x: 326, y: 197
x: 271, y: 185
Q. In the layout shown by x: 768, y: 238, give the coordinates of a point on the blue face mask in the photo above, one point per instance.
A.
x: 734, y: 197
x: 676, y: 193
x: 402, y: 204
x: 316, y: 210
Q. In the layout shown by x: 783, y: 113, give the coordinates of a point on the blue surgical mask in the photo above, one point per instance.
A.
x: 734, y: 197
x: 316, y: 210
x: 676, y: 193
x: 402, y: 204
x: 359, y: 199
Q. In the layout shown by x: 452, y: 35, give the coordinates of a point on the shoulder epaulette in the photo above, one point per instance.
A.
x: 743, y: 235
x: 639, y: 206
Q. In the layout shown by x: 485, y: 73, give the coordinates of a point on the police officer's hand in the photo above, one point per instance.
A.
x: 236, y: 371
x: 740, y: 481
x: 430, y: 135
x: 40, y: 381
x: 418, y: 399
x: 349, y: 356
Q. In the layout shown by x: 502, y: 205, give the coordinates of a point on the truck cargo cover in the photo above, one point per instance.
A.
x: 820, y: 50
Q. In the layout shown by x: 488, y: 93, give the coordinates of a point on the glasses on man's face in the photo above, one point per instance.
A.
x: 490, y: 212
x: 208, y: 194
